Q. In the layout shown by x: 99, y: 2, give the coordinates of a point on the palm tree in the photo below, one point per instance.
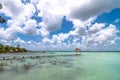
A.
x: 2, y: 20
x: 1, y: 45
x: 2, y: 49
x: 11, y: 49
x: 0, y: 6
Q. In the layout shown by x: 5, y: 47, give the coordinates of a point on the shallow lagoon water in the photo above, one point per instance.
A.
x: 88, y: 66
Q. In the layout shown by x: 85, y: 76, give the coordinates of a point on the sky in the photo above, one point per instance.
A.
x: 61, y: 25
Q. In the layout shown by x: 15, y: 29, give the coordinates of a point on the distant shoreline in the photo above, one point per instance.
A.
x: 74, y: 51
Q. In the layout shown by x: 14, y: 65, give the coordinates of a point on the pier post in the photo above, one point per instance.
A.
x: 14, y: 57
x: 3, y: 58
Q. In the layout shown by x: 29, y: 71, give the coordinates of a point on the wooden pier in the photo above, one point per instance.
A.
x: 12, y: 57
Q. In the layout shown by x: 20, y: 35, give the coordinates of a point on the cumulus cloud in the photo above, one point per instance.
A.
x: 51, y: 14
x: 93, y: 8
x: 19, y: 41
x: 4, y: 34
x: 47, y: 40
x: 60, y: 38
x: 103, y: 37
x: 56, y: 39
x: 95, y: 28
x: 30, y: 27
x: 82, y: 14
x: 11, y: 8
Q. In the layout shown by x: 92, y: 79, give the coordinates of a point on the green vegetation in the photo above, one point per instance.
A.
x: 2, y: 20
x: 7, y: 48
x: 11, y: 49
x: 0, y: 6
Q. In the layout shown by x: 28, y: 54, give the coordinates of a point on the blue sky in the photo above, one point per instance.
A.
x: 59, y: 25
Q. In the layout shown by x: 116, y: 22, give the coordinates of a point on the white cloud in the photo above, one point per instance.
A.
x: 29, y: 10
x: 81, y: 26
x: 93, y: 8
x: 30, y: 27
x: 103, y: 37
x: 75, y: 40
x: 107, y: 34
x: 60, y: 38
x: 56, y: 39
x: 49, y: 11
x: 4, y: 34
x: 19, y: 41
x: 11, y: 8
x: 52, y: 47
x: 46, y: 40
x: 95, y: 28
x: 80, y: 12
x: 43, y: 30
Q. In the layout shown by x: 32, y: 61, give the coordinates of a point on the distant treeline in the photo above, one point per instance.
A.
x: 11, y: 49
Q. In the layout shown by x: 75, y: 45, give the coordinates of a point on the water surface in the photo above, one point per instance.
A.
x: 88, y: 66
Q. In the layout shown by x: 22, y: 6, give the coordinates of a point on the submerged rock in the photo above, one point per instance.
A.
x: 26, y: 66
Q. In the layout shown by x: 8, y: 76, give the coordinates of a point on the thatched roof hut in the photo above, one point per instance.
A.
x: 77, y: 50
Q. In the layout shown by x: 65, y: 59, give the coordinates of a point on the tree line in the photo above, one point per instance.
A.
x: 7, y: 48
x: 11, y: 49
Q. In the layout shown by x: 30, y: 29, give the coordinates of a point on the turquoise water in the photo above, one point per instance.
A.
x: 88, y: 66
